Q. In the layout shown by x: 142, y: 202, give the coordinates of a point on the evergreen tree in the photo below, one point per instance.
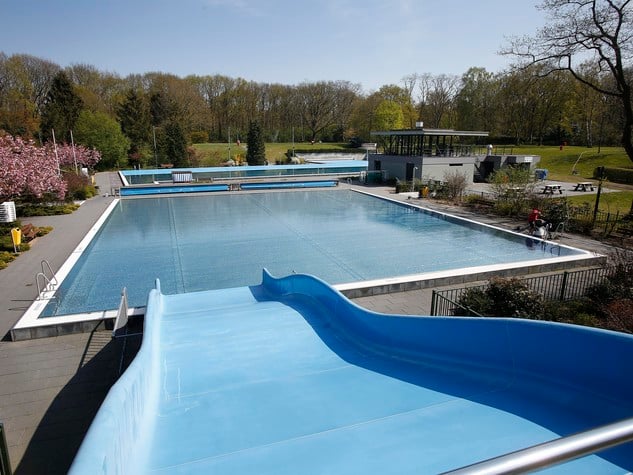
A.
x: 256, y: 152
x: 61, y: 109
x: 160, y: 108
x: 174, y: 144
x: 133, y: 115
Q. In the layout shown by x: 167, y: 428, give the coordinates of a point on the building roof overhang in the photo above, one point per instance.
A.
x: 435, y: 132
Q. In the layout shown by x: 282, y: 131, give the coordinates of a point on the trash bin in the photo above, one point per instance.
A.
x: 7, y: 212
x: 540, y: 174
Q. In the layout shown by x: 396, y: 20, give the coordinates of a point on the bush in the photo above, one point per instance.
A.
x: 504, y: 298
x: 456, y: 184
x: 473, y: 301
x: 577, y: 312
x: 616, y: 175
x: 5, y: 258
x: 618, y: 315
x: 198, y: 136
x: 79, y: 186
x: 31, y: 209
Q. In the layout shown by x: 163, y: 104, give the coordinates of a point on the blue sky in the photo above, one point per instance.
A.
x: 370, y: 42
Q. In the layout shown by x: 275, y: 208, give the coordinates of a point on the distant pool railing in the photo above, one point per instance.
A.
x: 208, y: 174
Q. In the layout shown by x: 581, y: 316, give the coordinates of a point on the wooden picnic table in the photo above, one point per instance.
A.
x: 552, y: 188
x: 584, y: 186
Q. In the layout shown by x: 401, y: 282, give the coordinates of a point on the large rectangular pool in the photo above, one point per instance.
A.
x: 206, y: 242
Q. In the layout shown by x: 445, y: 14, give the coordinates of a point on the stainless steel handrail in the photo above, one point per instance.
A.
x: 48, y: 285
x: 53, y: 278
x: 553, y: 452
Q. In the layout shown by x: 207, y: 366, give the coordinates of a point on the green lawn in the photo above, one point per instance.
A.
x: 215, y: 154
x: 561, y: 162
x: 620, y: 201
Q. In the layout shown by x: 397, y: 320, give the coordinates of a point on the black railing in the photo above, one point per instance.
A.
x: 5, y: 464
x: 567, y: 285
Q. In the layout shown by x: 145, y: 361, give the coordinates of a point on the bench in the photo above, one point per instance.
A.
x: 584, y: 186
x: 550, y: 189
x: 182, y: 177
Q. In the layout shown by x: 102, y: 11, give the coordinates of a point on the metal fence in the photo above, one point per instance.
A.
x: 567, y: 285
x: 5, y: 465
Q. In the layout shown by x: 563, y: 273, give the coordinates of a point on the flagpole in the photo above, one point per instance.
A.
x: 59, y: 172
x: 72, y: 141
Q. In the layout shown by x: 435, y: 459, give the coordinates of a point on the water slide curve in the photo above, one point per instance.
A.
x: 291, y: 377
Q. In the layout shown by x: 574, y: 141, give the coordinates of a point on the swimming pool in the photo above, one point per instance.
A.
x: 335, y: 167
x: 207, y: 242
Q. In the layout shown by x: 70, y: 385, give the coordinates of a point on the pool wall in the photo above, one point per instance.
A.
x: 585, y: 370
x: 168, y: 189
x: 336, y: 167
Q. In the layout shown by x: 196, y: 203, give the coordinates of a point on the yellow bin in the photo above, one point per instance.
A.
x: 16, y: 235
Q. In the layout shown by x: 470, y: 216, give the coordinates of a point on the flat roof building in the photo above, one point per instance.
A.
x: 430, y: 154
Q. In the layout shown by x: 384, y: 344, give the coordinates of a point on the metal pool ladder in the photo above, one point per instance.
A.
x: 47, y: 278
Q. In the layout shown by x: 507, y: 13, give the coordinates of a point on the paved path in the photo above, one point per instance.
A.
x: 51, y: 388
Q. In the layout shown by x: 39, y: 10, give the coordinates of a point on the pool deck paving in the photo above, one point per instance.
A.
x: 51, y: 388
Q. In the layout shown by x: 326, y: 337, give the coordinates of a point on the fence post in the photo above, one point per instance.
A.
x: 563, y: 286
x: 433, y: 298
x: 5, y: 464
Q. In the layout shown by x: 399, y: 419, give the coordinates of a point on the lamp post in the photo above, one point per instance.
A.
x: 155, y: 155
x: 413, y: 179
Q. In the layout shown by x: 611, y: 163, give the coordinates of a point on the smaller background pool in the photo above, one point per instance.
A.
x: 345, y: 167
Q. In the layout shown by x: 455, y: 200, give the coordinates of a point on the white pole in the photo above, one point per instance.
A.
x: 59, y: 172
x: 72, y: 141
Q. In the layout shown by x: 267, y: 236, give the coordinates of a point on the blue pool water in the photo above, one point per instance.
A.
x: 136, y: 177
x: 208, y: 242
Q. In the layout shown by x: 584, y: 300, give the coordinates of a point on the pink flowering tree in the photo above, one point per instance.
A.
x: 28, y: 171
x: 79, y: 155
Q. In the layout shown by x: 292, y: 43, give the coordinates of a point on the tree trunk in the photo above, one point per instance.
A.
x: 627, y: 135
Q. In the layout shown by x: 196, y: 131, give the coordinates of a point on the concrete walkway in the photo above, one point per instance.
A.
x: 51, y: 388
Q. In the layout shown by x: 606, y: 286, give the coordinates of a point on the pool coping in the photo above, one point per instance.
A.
x: 426, y: 280
x: 30, y: 326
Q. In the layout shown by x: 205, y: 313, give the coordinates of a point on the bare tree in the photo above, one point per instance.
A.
x: 325, y: 103
x: 599, y: 32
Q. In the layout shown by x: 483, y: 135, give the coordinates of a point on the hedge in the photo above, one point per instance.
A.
x: 617, y: 175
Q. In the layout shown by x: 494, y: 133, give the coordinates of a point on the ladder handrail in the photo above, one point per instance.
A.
x: 49, y: 285
x: 53, y: 279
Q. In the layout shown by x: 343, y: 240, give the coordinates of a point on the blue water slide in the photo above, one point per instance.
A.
x: 291, y: 377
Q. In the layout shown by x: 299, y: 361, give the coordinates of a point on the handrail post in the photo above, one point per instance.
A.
x: 5, y: 463
x: 563, y: 286
x: 433, y: 297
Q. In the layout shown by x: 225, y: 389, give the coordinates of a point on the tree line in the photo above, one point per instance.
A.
x: 571, y: 84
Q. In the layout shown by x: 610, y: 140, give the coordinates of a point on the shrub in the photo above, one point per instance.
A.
x: 504, y: 298
x: 198, y: 136
x: 456, y: 184
x: 616, y: 175
x: 618, y: 315
x: 473, y: 301
x: 5, y: 258
x: 26, y: 210
x: 577, y: 312
x: 79, y: 186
